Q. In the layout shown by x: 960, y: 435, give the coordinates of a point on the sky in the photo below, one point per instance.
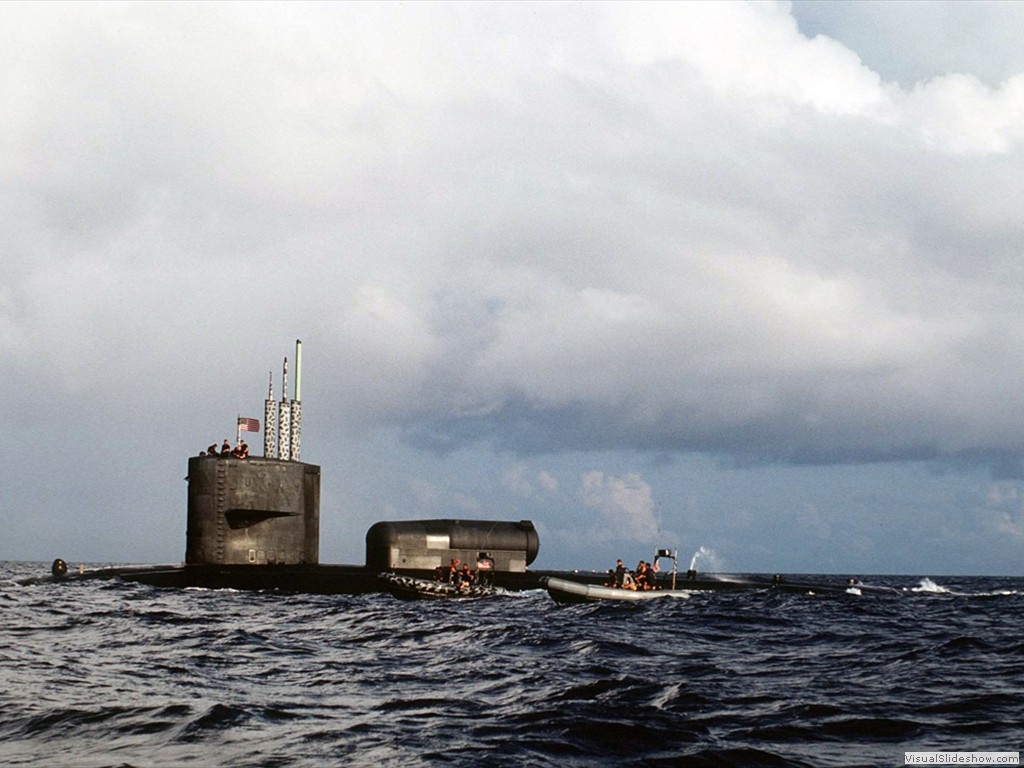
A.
x: 741, y: 279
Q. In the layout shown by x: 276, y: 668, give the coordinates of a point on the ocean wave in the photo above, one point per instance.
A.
x: 117, y: 674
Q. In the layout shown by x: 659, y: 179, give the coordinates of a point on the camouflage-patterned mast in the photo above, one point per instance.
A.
x: 270, y: 422
x: 297, y: 405
x: 284, y: 433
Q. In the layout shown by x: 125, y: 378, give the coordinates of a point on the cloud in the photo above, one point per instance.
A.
x: 517, y: 479
x: 960, y: 115
x: 514, y: 478
x: 704, y: 232
x: 910, y: 43
x: 548, y: 482
x: 639, y: 229
x: 1003, y: 508
x: 779, y: 302
x: 625, y: 504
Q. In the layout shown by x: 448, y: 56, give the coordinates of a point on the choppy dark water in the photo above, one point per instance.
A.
x: 113, y: 674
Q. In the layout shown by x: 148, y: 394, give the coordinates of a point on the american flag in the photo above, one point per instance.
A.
x: 248, y: 425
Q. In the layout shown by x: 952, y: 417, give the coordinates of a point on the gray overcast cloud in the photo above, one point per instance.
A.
x: 607, y: 245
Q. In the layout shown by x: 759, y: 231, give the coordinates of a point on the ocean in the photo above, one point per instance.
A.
x: 107, y: 673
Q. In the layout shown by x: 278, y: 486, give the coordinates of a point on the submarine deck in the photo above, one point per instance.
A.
x: 358, y: 579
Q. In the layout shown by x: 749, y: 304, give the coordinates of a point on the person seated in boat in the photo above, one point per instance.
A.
x: 611, y: 578
x: 620, y: 573
x: 640, y: 575
x: 466, y: 577
x: 644, y: 577
x: 652, y: 575
x: 241, y: 450
x: 453, y: 571
x: 225, y: 449
x: 212, y: 450
x: 652, y: 579
x: 463, y: 578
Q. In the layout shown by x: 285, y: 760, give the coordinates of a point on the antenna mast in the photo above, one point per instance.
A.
x: 284, y: 421
x: 296, y: 432
x: 270, y: 421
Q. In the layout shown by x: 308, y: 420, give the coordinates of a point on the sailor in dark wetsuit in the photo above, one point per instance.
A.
x: 641, y: 576
x: 620, y: 574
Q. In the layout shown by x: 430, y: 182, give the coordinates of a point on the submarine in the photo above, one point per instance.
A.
x: 253, y: 523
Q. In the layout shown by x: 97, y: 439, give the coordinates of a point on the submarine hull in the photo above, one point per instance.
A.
x: 358, y: 580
